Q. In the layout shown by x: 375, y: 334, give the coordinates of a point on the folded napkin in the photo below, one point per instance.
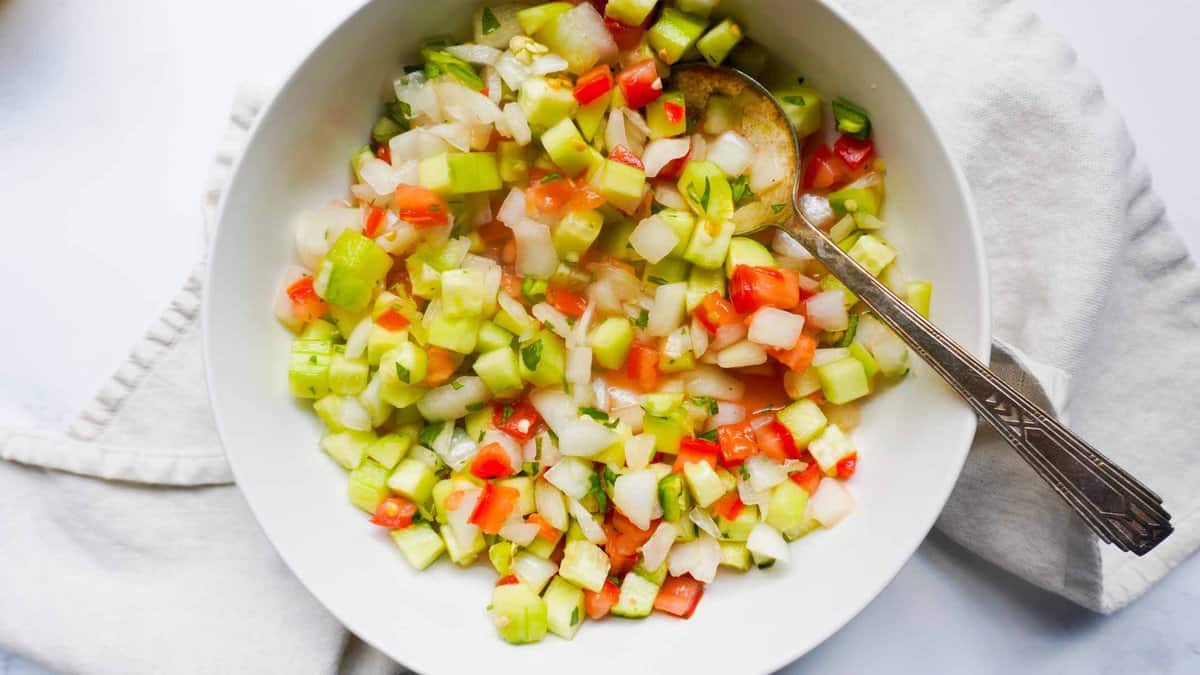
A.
x: 127, y: 551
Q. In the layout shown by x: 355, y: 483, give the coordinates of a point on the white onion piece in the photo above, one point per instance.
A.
x: 535, y: 249
x: 379, y: 175
x: 677, y: 343
x: 727, y: 413
x: 831, y: 503
x: 465, y: 105
x: 519, y: 532
x: 639, y: 450
x: 631, y: 416
x: 653, y: 239
x: 710, y: 381
x: 282, y: 305
x: 599, y: 389
x: 615, y: 133
x: 444, y: 439
x: 447, y: 403
x: 459, y: 519
x: 741, y: 355
x: 669, y: 309
x: 662, y: 152
x: 750, y: 497
x: 373, y: 402
x: 356, y: 344
x: 699, y: 337
x: 704, y: 521
x: 551, y: 504
x: 353, y: 415
x: 532, y: 570
x: 478, y: 54
x: 457, y: 134
x: 730, y: 333
x: 579, y: 333
x: 399, y: 238
x: 668, y: 195
x: 698, y: 558
x: 764, y: 472
x: 590, y: 42
x: 766, y: 541
x: 776, y: 328
x: 415, y: 90
x: 555, y: 407
x: 516, y: 310
x: 827, y: 311
x: 732, y: 152
x: 512, y: 71
x: 495, y: 86
x: 544, y: 313
x: 579, y: 366
x: 572, y: 476
x: 549, y: 453
x: 817, y: 210
x: 656, y: 548
x: 585, y: 437
x: 620, y: 398
x: 316, y: 230
x: 550, y: 63
x: 460, y: 450
x: 517, y: 123
x: 416, y: 145
x: 768, y: 169
x: 786, y: 246
x: 699, y: 148
x: 588, y: 525
x: 512, y: 211
x: 635, y: 494
x: 635, y: 118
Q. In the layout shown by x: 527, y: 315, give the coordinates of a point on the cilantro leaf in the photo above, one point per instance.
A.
x: 657, y: 280
x: 706, y: 402
x: 710, y: 435
x: 456, y: 385
x: 531, y: 355
x: 744, y: 472
x: 550, y: 178
x: 474, y: 407
x: 795, y: 100
x: 643, y: 319
x: 704, y: 198
x: 594, y: 413
x: 575, y: 615
x: 506, y: 413
x: 430, y: 432
x: 403, y: 374
x: 490, y: 24
x: 741, y: 190
x: 778, y: 207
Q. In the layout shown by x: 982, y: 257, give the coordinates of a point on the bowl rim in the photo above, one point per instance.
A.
x: 785, y: 656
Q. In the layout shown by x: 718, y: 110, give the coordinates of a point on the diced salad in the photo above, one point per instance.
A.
x: 534, y: 335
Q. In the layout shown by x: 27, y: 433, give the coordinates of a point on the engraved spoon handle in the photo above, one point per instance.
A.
x: 1115, y: 505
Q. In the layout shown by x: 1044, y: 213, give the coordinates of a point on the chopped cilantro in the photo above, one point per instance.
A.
x: 706, y: 402
x: 490, y: 24
x: 575, y: 615
x: 657, y: 280
x: 643, y: 319
x: 550, y: 178
x: 744, y: 472
x: 474, y: 407
x: 403, y: 374
x: 430, y: 432
x: 506, y: 413
x: 531, y: 354
x: 710, y: 435
x: 795, y: 100
x: 313, y: 359
x: 594, y: 413
x: 778, y: 207
x: 456, y: 385
x: 741, y: 190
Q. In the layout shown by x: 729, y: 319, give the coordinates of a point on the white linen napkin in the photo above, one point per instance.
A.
x: 159, y: 567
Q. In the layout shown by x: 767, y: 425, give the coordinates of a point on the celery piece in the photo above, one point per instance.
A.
x: 567, y: 148
x: 543, y: 359
x: 534, y: 18
x: 347, y: 447
x: 802, y: 105
x: 611, y: 341
x: 329, y: 410
x: 683, y: 362
x: 347, y: 376
x: 746, y: 251
x: 843, y: 380
x: 519, y: 613
x: 630, y: 12
x: 667, y: 116
x: 620, y: 184
x: 872, y: 253
x: 419, y: 544
x: 458, y: 173
x: 719, y: 41
x: 308, y: 368
x: 514, y: 162
x: 426, y: 279
x: 368, y: 485
x: 849, y: 242
x: 499, y: 371
x: 675, y: 33
x: 706, y: 190
x: 710, y: 244
x: 575, y: 233
x: 804, y: 419
x: 918, y: 294
x: 458, y: 334
x: 353, y: 268
x: 544, y: 104
x: 388, y: 450
x: 492, y: 337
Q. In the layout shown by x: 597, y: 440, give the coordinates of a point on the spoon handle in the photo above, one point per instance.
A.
x: 1115, y: 505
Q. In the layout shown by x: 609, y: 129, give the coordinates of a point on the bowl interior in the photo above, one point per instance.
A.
x: 913, y: 439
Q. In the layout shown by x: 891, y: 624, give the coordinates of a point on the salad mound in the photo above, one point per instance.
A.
x: 537, y: 330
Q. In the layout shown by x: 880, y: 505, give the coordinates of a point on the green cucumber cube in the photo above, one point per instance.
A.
x: 746, y: 251
x: 614, y: 240
x: 426, y: 279
x: 675, y: 33
x: 668, y: 431
x: 590, y: 117
x: 460, y: 555
x: 919, y: 294
x: 500, y: 555
x: 739, y: 528
x: 533, y: 18
x: 492, y: 337
x: 630, y: 12
x: 347, y: 447
x: 787, y: 510
x: 703, y: 8
x: 567, y: 148
x: 545, y: 104
x: 662, y: 404
x: 620, y: 184
x: 388, y: 450
x: 804, y: 419
x: 830, y: 282
x: 735, y: 555
x: 319, y: 329
x: 718, y: 42
x: 460, y: 173
x: 368, y: 485
x: 456, y: 334
x: 831, y: 447
x: 542, y: 548
x: 499, y: 371
x: 564, y: 608
x: 514, y: 162
x: 575, y: 233
x: 309, y: 368
x: 707, y: 487
x: 462, y: 293
x: 611, y: 341
x: 543, y: 359
x: 380, y: 341
x: 585, y: 565
x: 656, y: 577
x: 709, y: 246
x: 329, y: 410
x: 412, y: 479
x: 701, y: 282
x: 869, y: 364
x: 802, y: 105
x: 518, y: 613
x: 658, y: 116
x: 524, y: 487
x: 637, y: 597
x: 401, y: 372
x: 352, y: 270
x: 854, y: 200
x: 706, y: 190
x: 872, y: 253
x: 683, y: 222
x: 419, y: 544
x: 674, y: 497
x: 441, y: 490
x: 669, y: 270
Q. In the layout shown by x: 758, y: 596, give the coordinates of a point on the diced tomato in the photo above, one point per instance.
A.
x: 619, y: 563
x: 809, y: 478
x: 625, y: 156
x: 306, y: 304
x: 421, y: 207
x: 775, y: 441
x: 494, y: 231
x: 597, y: 604
x: 626, y: 526
x: 679, y: 596
x: 737, y: 442
x: 674, y: 168
x: 824, y: 170
x: 391, y: 320
x: 674, y: 112
x: 715, y: 311
x: 729, y: 506
x: 571, y: 304
x: 593, y: 84
x: 507, y: 580
x: 384, y: 151
x: 518, y: 420
x: 626, y: 37
x: 492, y: 461
x: 585, y: 197
x: 800, y: 356
x: 394, y: 513
x: 495, y: 504
x: 545, y: 530
x: 511, y: 284
x: 440, y: 365
x: 753, y: 287
x: 847, y: 465
x: 852, y: 151
x: 548, y: 194
x: 373, y: 222
x: 693, y: 450
x: 642, y: 366
x: 641, y: 84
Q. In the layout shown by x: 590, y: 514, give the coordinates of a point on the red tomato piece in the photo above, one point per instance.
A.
x: 519, y: 420
x: 440, y: 365
x: 800, y: 356
x: 391, y: 320
x: 693, y: 450
x: 715, y: 311
x: 824, y: 170
x: 545, y: 530
x: 809, y: 478
x: 507, y: 580
x: 674, y: 168
x: 729, y: 506
x: 373, y: 222
x: 679, y: 596
x: 597, y: 605
x: 306, y: 304
x: 585, y: 197
x: 625, y: 156
x: 641, y: 84
x: 626, y: 37
x: 593, y: 84
x: 673, y: 112
x: 753, y: 287
x: 642, y: 366
x: 847, y: 465
x: 394, y: 513
x: 775, y: 441
x: 494, y: 231
x: 492, y: 461
x: 384, y: 152
x: 852, y: 151
x: 571, y: 304
x: 548, y: 194
x: 511, y: 284
x: 453, y: 500
x: 495, y: 504
x: 737, y: 442
x: 421, y: 207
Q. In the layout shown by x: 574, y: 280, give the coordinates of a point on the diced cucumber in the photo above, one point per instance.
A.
x: 802, y: 105
x: 460, y: 173
x: 674, y: 498
x: 351, y: 271
x: 704, y: 482
x: 869, y: 364
x: 357, y: 159
x: 534, y: 289
x: 662, y: 404
x: 918, y: 294
x: 368, y: 485
x: 401, y: 372
x: 720, y: 115
x: 419, y: 544
x: 443, y: 489
x: 668, y: 431
x: 384, y: 129
x: 787, y: 511
x: 532, y: 19
x: 735, y: 555
x: 456, y: 334
x: 872, y: 253
x: 347, y: 447
x: 381, y: 341
x: 545, y: 105
x: 523, y: 325
x: 564, y: 608
x: 682, y: 222
x: 308, y: 368
x: 500, y: 555
x: 590, y: 117
x: 702, y: 8
x: 701, y: 282
x: 637, y: 597
x: 492, y: 337
x: 630, y: 12
x: 804, y: 419
x: 542, y: 548
x: 667, y: 116
x: 514, y: 162
x: 460, y: 555
x: 543, y: 359
x: 830, y: 282
x: 524, y: 487
x: 739, y: 528
x: 426, y: 279
x: 719, y: 41
x: 669, y: 270
x: 710, y: 244
x: 499, y: 371
x: 519, y: 613
x: 614, y: 239
x: 388, y: 450
x: 585, y: 565
x: 412, y: 479
x: 656, y: 577
x: 746, y: 251
x: 319, y: 329
x: 462, y: 293
x: 843, y: 380
x: 567, y: 148
x: 831, y: 447
x: 852, y: 200
x: 706, y: 190
x: 575, y: 233
x: 611, y: 341
x: 329, y: 410
x: 620, y: 184
x: 675, y: 33
x: 479, y: 421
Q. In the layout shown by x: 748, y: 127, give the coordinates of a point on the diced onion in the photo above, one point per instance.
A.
x: 512, y: 71
x: 768, y: 169
x: 460, y: 450
x: 517, y: 124
x: 599, y: 387
x: 699, y: 338
x: 816, y: 210
x: 704, y: 521
x: 668, y: 195
x: 572, y: 476
x: 730, y: 333
x: 516, y: 456
x: 635, y: 494
x: 786, y: 246
x: 457, y: 134
x: 353, y: 415
x: 533, y: 570
x: 551, y: 504
x: 587, y: 524
x: 829, y: 355
x: 639, y: 450
x: 512, y: 211
x: 448, y: 403
x: 656, y: 548
x: 495, y: 86
x: 766, y: 541
x: 775, y: 328
x: 356, y: 344
x: 579, y: 366
x: 632, y: 416
x: 698, y: 558
x: 557, y: 320
x: 653, y: 239
x: 550, y: 63
x: 416, y: 145
x: 827, y: 311
x: 459, y: 519
x: 669, y: 309
x: 710, y: 381
x: 831, y: 503
x: 555, y: 407
x: 465, y: 105
x: 520, y: 532
x: 478, y: 54
x: 662, y: 152
x: 677, y: 343
x: 765, y: 473
x: 615, y: 133
x: 635, y: 118
x: 535, y: 249
x: 727, y: 413
x: 415, y: 90
x: 732, y: 152
x: 742, y: 354
x: 699, y: 148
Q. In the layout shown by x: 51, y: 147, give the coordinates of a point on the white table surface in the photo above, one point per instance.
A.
x: 109, y: 114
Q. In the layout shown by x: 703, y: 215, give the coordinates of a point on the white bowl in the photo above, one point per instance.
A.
x: 913, y: 440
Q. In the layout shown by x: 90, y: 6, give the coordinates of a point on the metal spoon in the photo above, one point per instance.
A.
x: 1115, y: 505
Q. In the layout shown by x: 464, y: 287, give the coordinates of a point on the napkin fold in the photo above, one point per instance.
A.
x: 127, y: 551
